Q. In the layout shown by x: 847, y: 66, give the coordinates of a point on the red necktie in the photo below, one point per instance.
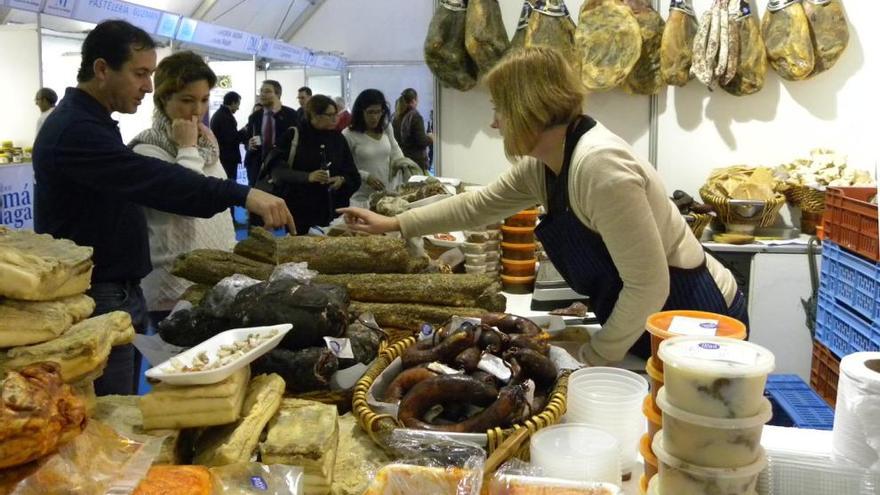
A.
x: 269, y: 132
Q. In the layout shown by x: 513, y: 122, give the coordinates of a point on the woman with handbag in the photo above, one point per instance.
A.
x: 611, y: 230
x: 312, y: 167
x: 375, y: 151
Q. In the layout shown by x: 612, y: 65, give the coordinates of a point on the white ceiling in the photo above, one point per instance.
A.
x: 359, y: 30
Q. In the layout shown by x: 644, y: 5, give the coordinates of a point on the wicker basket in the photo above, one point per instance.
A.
x: 378, y: 426
x: 808, y: 199
x: 699, y: 224
x: 728, y: 215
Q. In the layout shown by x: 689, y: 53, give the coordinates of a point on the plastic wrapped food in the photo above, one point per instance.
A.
x: 251, y: 478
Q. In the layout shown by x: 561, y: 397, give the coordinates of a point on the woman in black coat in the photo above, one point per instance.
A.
x: 322, y: 175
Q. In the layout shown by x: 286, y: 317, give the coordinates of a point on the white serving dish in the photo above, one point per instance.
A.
x: 166, y: 373
x: 459, y: 238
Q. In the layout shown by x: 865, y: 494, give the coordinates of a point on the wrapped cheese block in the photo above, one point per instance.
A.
x: 170, y: 406
x: 304, y: 433
x: 357, y: 458
x: 176, y: 480
x: 236, y: 442
x: 406, y: 479
x: 38, y: 267
x: 80, y: 350
x: 121, y: 412
x: 26, y: 322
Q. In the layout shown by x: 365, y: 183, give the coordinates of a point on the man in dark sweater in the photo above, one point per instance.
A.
x: 225, y: 128
x: 91, y: 188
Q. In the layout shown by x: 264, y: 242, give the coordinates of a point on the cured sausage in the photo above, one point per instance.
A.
x: 406, y: 380
x: 446, y: 350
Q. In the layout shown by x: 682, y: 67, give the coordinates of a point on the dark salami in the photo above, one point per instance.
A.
x: 304, y: 370
x: 445, y: 51
x: 209, y: 266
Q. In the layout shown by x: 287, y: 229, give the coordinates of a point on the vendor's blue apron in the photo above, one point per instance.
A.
x: 581, y: 257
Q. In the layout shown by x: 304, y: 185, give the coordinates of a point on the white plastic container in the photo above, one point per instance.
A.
x: 677, y: 477
x: 715, y: 376
x: 712, y: 442
x: 167, y: 372
x: 475, y: 259
x: 576, y: 452
x: 610, y: 399
x: 473, y: 248
x: 475, y: 268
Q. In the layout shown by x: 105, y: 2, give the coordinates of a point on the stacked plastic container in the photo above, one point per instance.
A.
x: 713, y: 414
x: 482, y: 250
x: 610, y: 399
x: 658, y: 326
x: 576, y: 452
x: 518, y: 252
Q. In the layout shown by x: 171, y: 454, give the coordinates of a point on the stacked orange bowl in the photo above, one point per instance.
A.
x: 518, y: 253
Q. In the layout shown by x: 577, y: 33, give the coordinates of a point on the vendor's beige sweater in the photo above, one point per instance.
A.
x: 613, y: 193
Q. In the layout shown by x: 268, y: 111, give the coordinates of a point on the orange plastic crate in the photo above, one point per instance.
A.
x: 825, y: 373
x: 851, y: 221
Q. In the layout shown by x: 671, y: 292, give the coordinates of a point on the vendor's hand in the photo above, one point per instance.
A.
x: 361, y: 220
x: 336, y: 182
x: 319, y: 176
x: 185, y: 133
x: 375, y: 183
x: 272, y: 209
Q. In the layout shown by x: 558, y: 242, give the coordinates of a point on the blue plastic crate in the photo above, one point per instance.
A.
x: 795, y: 404
x: 842, y: 330
x: 848, y: 278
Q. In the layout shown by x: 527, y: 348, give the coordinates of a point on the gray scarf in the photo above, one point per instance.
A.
x: 160, y: 135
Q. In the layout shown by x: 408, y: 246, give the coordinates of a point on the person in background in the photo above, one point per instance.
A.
x: 372, y: 145
x: 611, y: 230
x: 322, y: 175
x: 91, y: 188
x: 265, y: 127
x: 409, y: 129
x: 46, y: 98
x: 225, y: 129
x: 302, y: 96
x: 344, y: 119
x: 183, y: 89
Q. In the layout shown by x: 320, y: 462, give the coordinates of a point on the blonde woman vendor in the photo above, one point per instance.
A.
x: 183, y: 83
x: 610, y: 230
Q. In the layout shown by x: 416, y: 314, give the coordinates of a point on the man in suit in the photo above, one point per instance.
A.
x: 303, y: 95
x: 266, y: 127
x: 225, y: 128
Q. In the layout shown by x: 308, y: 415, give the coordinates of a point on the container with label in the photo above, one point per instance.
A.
x: 660, y: 326
x: 712, y: 442
x: 715, y: 376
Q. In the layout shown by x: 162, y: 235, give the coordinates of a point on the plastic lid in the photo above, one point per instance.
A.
x: 658, y: 323
x: 703, y: 472
x: 518, y: 247
x: 517, y: 230
x: 575, y: 440
x: 645, y: 450
x: 718, y: 356
x: 649, y: 412
x: 763, y: 416
x: 653, y: 371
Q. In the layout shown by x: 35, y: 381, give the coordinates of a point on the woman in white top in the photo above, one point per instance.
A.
x: 183, y: 83
x: 372, y: 145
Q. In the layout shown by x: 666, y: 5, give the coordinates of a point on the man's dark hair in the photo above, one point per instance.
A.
x: 231, y: 98
x: 366, y: 99
x: 275, y: 85
x: 49, y: 95
x: 113, y: 41
x: 305, y: 89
